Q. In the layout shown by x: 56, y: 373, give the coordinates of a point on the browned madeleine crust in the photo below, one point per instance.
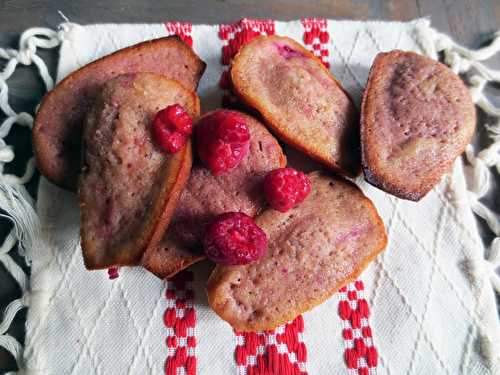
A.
x: 129, y: 187
x: 206, y: 196
x: 300, y: 100
x: 58, y: 123
x: 313, y: 250
x: 417, y: 116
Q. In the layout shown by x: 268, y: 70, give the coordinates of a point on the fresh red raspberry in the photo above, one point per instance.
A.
x: 284, y: 188
x: 222, y: 139
x: 179, y: 118
x: 171, y: 128
x: 233, y: 238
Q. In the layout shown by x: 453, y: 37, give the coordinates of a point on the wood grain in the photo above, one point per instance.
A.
x: 469, y: 21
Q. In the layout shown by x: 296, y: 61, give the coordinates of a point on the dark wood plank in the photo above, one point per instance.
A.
x: 19, y: 14
x: 471, y: 23
x: 403, y: 10
x: 468, y: 21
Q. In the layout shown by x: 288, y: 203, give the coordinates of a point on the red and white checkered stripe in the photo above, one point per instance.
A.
x: 237, y: 34
x: 234, y: 36
x: 281, y: 351
x: 180, y: 321
x: 316, y: 37
x: 182, y: 29
x: 360, y: 353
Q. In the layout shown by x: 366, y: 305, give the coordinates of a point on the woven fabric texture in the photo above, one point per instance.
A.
x: 431, y: 311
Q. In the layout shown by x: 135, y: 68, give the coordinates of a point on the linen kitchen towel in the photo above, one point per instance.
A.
x: 425, y: 306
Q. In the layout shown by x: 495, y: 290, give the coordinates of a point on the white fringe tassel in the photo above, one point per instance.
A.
x: 15, y: 202
x: 468, y: 62
x: 18, y: 205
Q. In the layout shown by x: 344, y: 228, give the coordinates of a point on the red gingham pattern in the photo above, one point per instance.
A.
x: 360, y: 353
x: 182, y: 29
x: 234, y: 36
x: 180, y: 321
x: 281, y: 351
x: 316, y: 37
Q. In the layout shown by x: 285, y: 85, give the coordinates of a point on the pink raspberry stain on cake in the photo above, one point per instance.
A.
x: 180, y: 320
x: 288, y: 52
x: 353, y: 233
x: 234, y: 36
x: 279, y: 351
x: 284, y: 188
x: 222, y: 140
x: 172, y: 127
x: 233, y: 238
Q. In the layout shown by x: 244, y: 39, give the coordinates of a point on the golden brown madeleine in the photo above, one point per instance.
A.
x: 417, y: 116
x: 206, y: 196
x: 300, y: 100
x: 313, y: 250
x: 128, y: 187
x: 58, y: 123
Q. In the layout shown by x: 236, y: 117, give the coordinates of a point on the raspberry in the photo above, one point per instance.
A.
x: 284, y: 188
x: 180, y: 119
x: 171, y: 128
x: 222, y: 140
x: 234, y: 238
x: 113, y: 273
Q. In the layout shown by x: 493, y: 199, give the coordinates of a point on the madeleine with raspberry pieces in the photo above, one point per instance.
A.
x: 300, y: 101
x: 206, y: 196
x: 60, y: 120
x: 129, y: 185
x: 313, y: 250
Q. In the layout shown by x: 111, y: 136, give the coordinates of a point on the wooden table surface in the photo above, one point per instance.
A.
x: 471, y: 22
